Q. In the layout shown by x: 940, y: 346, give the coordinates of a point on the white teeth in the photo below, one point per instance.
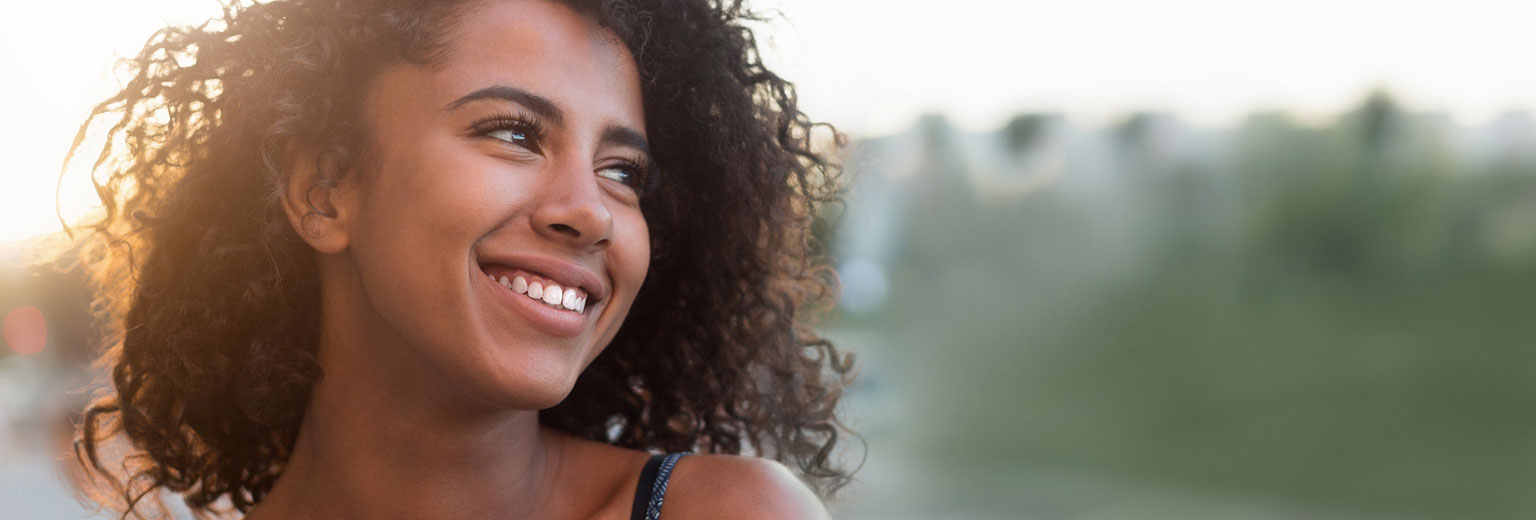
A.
x: 570, y: 299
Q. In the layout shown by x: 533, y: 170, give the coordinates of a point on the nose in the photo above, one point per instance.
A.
x: 572, y: 210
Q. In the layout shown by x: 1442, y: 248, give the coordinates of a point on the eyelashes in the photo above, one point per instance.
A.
x: 516, y: 128
x: 526, y: 131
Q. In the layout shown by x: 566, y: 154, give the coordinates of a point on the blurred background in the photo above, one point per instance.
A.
x: 1102, y: 259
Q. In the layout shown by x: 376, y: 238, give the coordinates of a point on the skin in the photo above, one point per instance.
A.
x: 433, y: 380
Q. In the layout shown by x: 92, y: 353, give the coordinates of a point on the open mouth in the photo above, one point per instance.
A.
x: 538, y: 287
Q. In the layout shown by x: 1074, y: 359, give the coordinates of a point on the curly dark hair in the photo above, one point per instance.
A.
x: 213, y: 299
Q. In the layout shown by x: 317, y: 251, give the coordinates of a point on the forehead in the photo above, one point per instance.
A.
x: 543, y: 47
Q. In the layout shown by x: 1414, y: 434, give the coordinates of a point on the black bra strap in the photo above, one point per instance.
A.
x: 653, y: 487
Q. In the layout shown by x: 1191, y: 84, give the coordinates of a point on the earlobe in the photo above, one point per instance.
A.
x: 313, y: 200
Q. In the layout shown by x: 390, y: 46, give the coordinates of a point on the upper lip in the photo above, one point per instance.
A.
x: 565, y: 273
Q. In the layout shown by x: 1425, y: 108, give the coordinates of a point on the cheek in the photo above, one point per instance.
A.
x: 430, y: 197
x: 419, y: 218
x: 446, y: 181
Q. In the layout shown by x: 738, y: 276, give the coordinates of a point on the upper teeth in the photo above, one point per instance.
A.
x: 568, y: 298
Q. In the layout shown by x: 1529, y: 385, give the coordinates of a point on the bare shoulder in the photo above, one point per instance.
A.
x: 732, y: 486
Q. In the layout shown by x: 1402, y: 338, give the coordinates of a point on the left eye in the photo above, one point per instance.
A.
x: 517, y: 131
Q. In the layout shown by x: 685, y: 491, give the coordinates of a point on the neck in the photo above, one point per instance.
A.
x: 352, y: 460
x: 384, y: 439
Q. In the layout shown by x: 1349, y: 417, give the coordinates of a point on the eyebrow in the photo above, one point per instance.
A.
x: 613, y: 134
x: 625, y: 136
x: 539, y: 104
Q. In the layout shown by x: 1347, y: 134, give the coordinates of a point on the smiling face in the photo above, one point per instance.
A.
x: 518, y: 156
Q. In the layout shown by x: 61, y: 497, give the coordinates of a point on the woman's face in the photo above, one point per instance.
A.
x: 518, y: 157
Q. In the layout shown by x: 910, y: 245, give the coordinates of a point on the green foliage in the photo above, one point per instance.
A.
x: 1334, y: 317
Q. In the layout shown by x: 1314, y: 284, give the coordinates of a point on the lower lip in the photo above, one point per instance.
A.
x: 549, y: 320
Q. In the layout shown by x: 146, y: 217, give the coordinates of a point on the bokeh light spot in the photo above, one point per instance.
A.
x: 25, y: 330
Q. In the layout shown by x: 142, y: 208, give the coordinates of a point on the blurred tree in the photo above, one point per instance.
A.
x: 1358, y: 347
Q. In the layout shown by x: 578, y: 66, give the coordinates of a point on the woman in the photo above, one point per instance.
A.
x: 371, y: 259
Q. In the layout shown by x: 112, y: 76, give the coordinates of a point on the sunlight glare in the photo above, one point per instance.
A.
x: 64, y: 55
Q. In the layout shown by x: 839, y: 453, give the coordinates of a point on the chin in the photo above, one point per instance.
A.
x: 541, y: 398
x: 526, y: 387
x: 521, y: 395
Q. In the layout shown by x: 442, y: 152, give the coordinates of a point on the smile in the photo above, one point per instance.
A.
x: 538, y: 287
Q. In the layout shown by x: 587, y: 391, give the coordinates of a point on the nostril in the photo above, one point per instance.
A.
x: 562, y: 228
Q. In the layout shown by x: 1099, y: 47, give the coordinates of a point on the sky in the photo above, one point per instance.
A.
x: 872, y: 66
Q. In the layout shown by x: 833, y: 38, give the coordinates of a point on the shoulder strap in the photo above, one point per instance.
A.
x: 653, y: 487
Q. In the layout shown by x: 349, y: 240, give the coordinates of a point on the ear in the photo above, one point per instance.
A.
x: 319, y: 206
